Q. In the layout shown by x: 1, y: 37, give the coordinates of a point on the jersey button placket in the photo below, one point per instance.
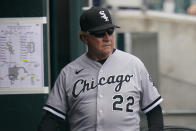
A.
x: 99, y: 104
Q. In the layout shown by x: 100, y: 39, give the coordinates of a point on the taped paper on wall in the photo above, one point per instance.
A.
x: 21, y: 55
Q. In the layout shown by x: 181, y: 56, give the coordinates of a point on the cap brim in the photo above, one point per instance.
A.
x: 103, y: 27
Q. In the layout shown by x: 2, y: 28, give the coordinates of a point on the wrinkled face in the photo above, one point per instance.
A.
x: 100, y: 44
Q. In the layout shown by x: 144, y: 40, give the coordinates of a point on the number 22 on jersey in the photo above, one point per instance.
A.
x: 119, y: 102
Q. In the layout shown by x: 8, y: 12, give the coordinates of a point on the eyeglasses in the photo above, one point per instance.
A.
x: 101, y: 34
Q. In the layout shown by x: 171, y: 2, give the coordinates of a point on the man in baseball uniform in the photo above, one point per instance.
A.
x: 105, y: 88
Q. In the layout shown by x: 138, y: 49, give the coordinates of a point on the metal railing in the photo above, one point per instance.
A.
x: 175, y: 128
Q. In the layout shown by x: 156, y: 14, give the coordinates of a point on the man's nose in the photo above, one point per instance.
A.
x: 106, y: 36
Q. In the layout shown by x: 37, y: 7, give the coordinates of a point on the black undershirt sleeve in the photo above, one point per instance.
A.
x: 155, y: 119
x: 51, y: 122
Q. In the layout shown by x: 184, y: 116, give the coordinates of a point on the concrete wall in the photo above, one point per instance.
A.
x: 177, y: 59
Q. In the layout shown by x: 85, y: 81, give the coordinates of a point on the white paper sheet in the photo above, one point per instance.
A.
x: 21, y: 55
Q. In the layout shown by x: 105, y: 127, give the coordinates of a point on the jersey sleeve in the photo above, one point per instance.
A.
x: 57, y: 101
x: 150, y: 96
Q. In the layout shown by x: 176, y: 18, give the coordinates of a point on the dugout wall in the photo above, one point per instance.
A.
x: 22, y: 110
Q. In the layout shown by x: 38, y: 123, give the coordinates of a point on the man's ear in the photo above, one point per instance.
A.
x: 83, y: 37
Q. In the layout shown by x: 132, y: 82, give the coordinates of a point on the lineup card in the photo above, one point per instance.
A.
x: 21, y: 55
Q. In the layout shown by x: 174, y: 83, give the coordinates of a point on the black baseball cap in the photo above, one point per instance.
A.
x: 96, y: 19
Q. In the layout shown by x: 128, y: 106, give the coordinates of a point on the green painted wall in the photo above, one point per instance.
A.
x: 22, y: 8
x: 23, y: 112
x: 64, y: 34
x: 76, y: 46
x: 20, y: 112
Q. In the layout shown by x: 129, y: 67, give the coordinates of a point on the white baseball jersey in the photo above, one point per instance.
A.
x: 108, y: 97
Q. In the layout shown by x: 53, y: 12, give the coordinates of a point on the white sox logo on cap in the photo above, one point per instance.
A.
x: 103, y: 15
x: 96, y: 19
